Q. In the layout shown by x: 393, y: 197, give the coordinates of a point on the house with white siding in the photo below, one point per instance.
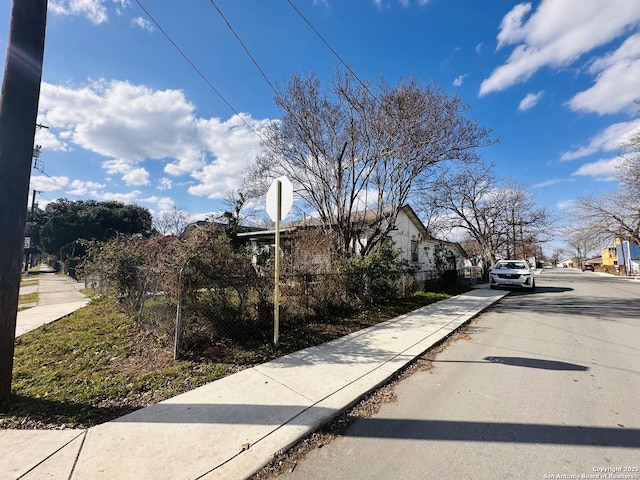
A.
x: 430, y: 257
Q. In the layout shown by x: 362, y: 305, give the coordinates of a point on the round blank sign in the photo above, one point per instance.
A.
x: 286, y: 198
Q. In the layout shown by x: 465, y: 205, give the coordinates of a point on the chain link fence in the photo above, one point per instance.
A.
x: 239, y: 311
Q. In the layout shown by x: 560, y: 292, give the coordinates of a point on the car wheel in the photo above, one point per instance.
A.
x: 533, y: 286
x: 492, y: 287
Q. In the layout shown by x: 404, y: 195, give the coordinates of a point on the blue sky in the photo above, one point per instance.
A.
x: 129, y: 119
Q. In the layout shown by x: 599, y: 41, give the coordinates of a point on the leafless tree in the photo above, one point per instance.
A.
x: 581, y: 242
x: 500, y: 216
x: 526, y: 224
x: 346, y: 148
x: 629, y: 171
x: 432, y: 214
x: 171, y: 222
x: 616, y: 214
x: 470, y: 196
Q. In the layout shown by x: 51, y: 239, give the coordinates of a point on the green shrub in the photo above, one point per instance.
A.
x: 377, y: 277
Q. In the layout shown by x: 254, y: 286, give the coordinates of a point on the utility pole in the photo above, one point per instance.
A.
x: 18, y: 112
x: 33, y: 200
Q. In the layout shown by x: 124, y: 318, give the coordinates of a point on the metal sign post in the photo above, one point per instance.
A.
x: 281, y: 189
x: 276, y: 288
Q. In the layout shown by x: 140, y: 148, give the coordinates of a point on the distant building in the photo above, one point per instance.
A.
x: 628, y: 254
x: 610, y: 257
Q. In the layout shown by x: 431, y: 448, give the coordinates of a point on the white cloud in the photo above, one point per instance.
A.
x: 129, y: 197
x: 49, y: 141
x: 512, y: 25
x: 136, y: 176
x: 233, y: 146
x: 557, y: 34
x: 85, y: 189
x: 131, y: 173
x: 550, y: 183
x: 459, y: 80
x: 129, y: 124
x: 94, y: 10
x: 143, y: 23
x: 161, y: 203
x: 566, y: 204
x: 616, y: 87
x: 608, y: 140
x: 43, y: 183
x: 605, y: 169
x: 165, y: 183
x: 530, y: 101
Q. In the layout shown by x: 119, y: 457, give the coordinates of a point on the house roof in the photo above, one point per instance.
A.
x: 365, y: 217
x: 206, y: 223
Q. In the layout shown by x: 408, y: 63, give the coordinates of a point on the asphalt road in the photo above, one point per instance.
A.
x: 547, y: 385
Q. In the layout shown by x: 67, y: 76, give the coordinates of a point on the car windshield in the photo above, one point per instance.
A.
x: 511, y: 266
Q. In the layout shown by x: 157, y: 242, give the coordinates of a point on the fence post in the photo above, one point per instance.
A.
x: 178, y: 336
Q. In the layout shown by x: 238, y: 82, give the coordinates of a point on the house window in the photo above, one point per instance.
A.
x: 414, y: 250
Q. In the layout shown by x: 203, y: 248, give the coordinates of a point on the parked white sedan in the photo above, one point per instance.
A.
x: 512, y: 273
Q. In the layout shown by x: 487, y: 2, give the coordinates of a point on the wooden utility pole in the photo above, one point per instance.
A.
x: 18, y: 111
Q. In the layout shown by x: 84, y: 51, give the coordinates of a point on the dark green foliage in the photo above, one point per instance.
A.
x: 374, y: 278
x: 90, y: 220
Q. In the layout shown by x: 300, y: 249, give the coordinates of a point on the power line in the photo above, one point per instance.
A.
x: 197, y: 70
x: 346, y: 65
x: 264, y: 75
x: 62, y: 187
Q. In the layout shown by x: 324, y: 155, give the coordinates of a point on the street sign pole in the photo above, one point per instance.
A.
x: 279, y: 201
x: 276, y: 288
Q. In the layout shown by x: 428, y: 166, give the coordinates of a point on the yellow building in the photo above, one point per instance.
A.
x: 610, y: 256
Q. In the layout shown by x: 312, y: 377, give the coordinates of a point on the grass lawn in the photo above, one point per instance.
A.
x: 96, y: 364
x: 28, y: 299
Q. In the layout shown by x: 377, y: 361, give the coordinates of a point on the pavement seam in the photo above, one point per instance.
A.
x: 52, y: 454
x: 75, y: 461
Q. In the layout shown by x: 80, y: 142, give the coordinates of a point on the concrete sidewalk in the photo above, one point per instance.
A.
x: 58, y: 296
x: 232, y: 427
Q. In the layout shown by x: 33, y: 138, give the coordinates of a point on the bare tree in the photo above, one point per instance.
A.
x: 581, y: 242
x: 629, y: 170
x: 616, y: 214
x: 500, y: 216
x: 432, y: 214
x: 345, y: 149
x: 471, y: 198
x: 171, y: 222
x: 526, y: 225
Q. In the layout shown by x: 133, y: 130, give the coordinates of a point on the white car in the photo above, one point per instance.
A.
x: 512, y: 273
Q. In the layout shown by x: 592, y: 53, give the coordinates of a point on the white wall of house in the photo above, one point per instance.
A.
x: 407, y: 237
x: 420, y: 251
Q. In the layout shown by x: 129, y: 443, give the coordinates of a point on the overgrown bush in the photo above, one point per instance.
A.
x: 123, y: 264
x: 378, y: 277
x: 225, y: 298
